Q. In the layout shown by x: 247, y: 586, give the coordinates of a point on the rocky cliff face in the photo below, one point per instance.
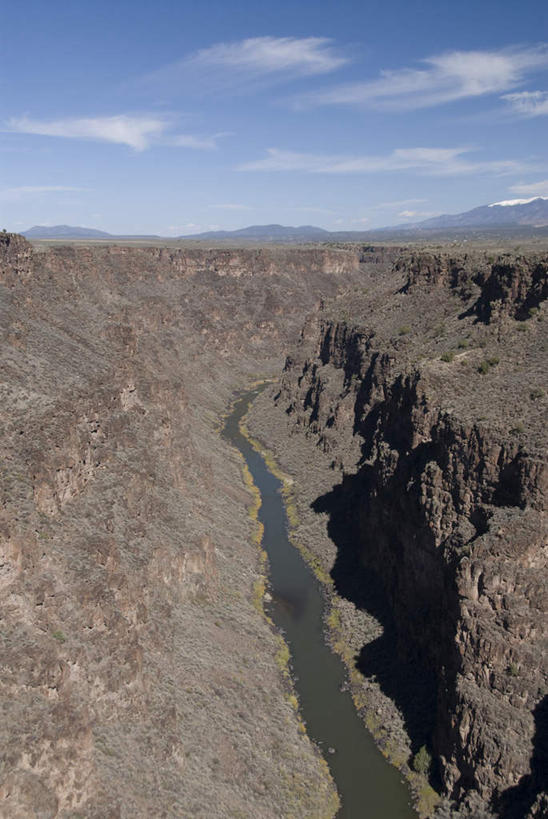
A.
x: 137, y: 677
x: 428, y: 391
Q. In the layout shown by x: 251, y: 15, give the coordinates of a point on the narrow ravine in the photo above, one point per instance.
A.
x: 369, y: 787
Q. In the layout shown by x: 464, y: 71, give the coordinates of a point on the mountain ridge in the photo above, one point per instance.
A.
x: 504, y: 215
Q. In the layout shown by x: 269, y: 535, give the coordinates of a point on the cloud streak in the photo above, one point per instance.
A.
x: 529, y: 103
x: 432, y: 161
x: 304, y: 57
x: 441, y: 79
x: 532, y: 188
x: 137, y: 132
x: 256, y: 61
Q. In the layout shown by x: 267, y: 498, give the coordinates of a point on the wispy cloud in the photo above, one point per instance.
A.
x: 253, y: 61
x: 200, y: 143
x: 529, y: 103
x: 531, y: 188
x: 8, y: 194
x: 304, y: 56
x: 434, y: 161
x: 443, y: 78
x: 137, y: 132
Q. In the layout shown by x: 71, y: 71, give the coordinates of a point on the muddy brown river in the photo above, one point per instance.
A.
x: 369, y: 787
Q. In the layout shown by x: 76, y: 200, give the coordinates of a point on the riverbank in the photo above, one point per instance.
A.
x: 296, y: 605
x: 306, y: 476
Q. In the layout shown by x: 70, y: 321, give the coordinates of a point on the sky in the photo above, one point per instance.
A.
x: 174, y: 117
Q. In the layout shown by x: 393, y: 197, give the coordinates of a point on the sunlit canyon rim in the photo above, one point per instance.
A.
x: 140, y: 675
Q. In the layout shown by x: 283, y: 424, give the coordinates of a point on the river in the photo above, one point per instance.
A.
x: 369, y: 787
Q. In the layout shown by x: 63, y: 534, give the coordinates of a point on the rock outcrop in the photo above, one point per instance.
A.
x: 426, y: 390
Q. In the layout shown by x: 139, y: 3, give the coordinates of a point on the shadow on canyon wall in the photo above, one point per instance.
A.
x: 404, y: 679
x: 395, y: 659
x: 518, y: 801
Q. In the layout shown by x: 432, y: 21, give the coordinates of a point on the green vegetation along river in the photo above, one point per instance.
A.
x: 369, y: 787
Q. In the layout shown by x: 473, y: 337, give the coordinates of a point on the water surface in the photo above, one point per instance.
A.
x: 369, y: 787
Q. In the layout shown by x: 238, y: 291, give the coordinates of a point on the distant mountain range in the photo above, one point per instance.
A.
x: 268, y: 233
x: 507, y: 215
x: 64, y: 232
x: 510, y: 213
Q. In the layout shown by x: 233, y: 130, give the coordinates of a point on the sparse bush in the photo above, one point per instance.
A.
x: 463, y: 344
x: 536, y: 393
x: 422, y: 761
x: 404, y: 330
x: 487, y: 363
x: 533, y: 311
x: 448, y: 356
x: 518, y: 429
x: 59, y: 636
x: 513, y: 670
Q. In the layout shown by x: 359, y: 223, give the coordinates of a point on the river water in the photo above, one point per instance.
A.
x: 369, y: 787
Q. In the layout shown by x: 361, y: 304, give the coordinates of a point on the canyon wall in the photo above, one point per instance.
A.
x: 138, y: 678
x: 425, y: 391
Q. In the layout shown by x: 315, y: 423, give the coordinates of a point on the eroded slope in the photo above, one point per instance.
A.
x: 137, y: 677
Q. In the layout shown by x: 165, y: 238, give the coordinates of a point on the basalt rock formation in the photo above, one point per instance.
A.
x: 426, y: 391
x: 137, y: 678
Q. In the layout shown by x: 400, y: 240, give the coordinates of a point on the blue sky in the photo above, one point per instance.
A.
x: 174, y: 117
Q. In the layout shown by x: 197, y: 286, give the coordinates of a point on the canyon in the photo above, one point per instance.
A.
x: 423, y: 392
x: 140, y: 676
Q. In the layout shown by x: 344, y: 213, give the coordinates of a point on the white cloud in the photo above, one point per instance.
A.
x: 529, y: 103
x: 434, y: 161
x: 533, y: 189
x: 137, y: 132
x: 305, y: 56
x: 9, y: 194
x: 235, y: 67
x: 444, y: 78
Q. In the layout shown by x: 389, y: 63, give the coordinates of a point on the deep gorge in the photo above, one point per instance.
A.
x: 129, y: 630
